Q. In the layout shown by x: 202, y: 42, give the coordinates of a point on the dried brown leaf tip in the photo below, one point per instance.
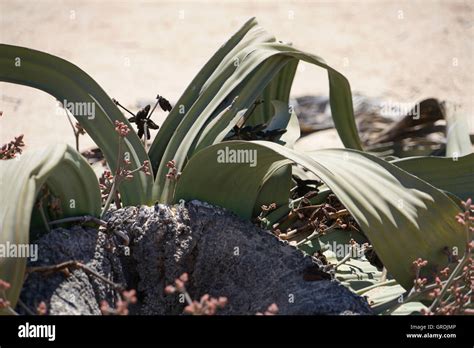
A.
x: 79, y: 129
x: 143, y: 117
x: 164, y: 103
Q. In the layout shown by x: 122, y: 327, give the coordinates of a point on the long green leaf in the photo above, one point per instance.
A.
x: 278, y: 89
x: 66, y: 81
x: 403, y: 217
x: 454, y: 175
x: 246, y: 35
x: 253, y: 68
x: 62, y: 169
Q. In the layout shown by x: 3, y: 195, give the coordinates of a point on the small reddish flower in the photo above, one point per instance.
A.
x: 222, y: 301
x: 121, y: 308
x: 184, y: 277
x: 42, y: 309
x: 146, y: 167
x: 170, y: 289
x: 104, y: 307
x: 4, y: 303
x: 4, y: 285
x: 179, y: 285
x: 121, y: 128
x: 130, y: 296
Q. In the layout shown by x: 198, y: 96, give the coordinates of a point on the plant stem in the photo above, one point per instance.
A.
x: 450, y: 280
x: 188, y: 298
x: 11, y: 310
x: 123, y: 107
x: 80, y: 219
x: 145, y: 129
x: 368, y: 288
x: 117, y: 200
x: 338, y: 214
x: 316, y: 234
x: 384, y: 274
x: 294, y: 232
x: 116, y: 182
x: 415, y: 294
x: 109, y: 199
x: 250, y: 111
x: 348, y: 256
x: 152, y: 110
x: 73, y: 264
x: 43, y: 216
x: 26, y: 308
x: 8, y: 307
x: 76, y: 133
x: 459, y: 267
x: 308, y: 207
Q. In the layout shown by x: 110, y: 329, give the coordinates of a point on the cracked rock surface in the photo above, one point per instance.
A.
x: 223, y: 255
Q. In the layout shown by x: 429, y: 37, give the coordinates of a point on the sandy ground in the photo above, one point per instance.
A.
x: 399, y: 50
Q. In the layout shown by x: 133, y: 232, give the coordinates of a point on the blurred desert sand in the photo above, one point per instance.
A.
x: 399, y: 50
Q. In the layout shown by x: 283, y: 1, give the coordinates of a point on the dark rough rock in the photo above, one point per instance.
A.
x: 78, y: 293
x: 223, y: 255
